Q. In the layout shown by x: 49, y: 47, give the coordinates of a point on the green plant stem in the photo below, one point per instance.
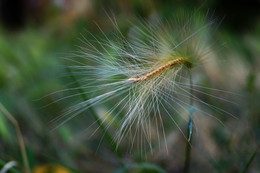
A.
x: 250, y: 161
x: 21, y: 142
x: 189, y: 132
x: 106, y: 134
x: 187, y: 158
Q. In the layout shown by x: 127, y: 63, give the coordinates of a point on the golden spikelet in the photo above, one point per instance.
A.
x: 157, y: 71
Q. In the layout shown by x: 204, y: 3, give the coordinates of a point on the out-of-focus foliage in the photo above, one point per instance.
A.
x: 39, y: 34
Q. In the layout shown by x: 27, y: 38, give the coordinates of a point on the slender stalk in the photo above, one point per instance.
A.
x: 106, y: 134
x: 189, y: 131
x: 250, y: 161
x: 187, y: 158
x: 21, y: 142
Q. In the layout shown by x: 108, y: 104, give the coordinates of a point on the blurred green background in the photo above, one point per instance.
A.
x: 36, y: 34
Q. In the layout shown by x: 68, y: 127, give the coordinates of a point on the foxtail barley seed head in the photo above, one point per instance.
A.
x: 157, y: 71
x: 143, y: 77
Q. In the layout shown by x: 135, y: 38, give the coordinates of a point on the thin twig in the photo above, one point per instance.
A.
x: 15, y: 123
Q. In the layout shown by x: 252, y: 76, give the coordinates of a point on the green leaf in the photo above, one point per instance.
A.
x: 11, y: 170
